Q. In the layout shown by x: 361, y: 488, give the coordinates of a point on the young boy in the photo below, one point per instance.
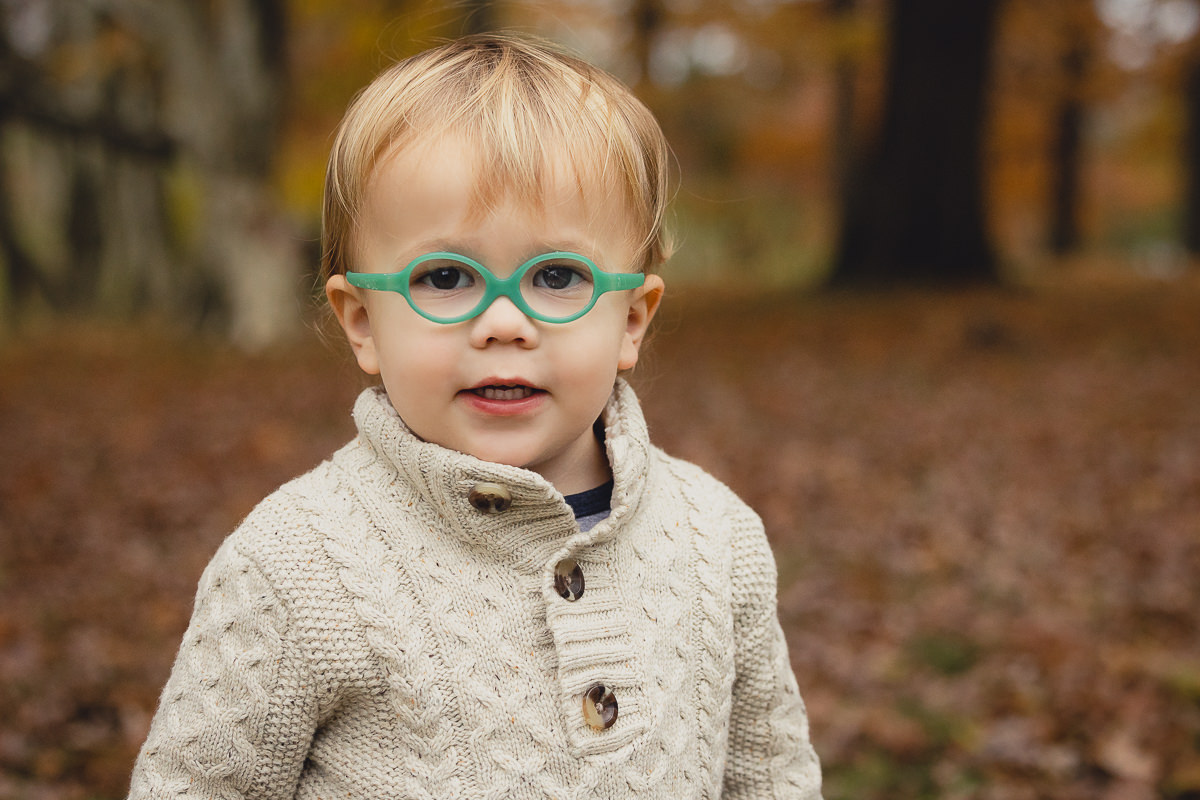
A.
x: 499, y: 588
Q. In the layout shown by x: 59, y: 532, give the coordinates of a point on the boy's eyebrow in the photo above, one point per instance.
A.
x: 452, y: 246
x: 432, y: 246
x: 567, y: 246
x: 467, y: 248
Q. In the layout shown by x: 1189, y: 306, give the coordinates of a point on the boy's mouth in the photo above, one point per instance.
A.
x: 504, y: 392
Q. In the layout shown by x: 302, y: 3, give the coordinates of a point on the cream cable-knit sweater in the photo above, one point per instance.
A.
x: 368, y: 632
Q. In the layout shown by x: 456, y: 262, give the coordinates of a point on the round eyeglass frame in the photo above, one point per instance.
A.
x: 495, y: 287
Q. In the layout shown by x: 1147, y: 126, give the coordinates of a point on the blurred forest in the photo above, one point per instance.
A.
x: 935, y: 314
x: 166, y: 157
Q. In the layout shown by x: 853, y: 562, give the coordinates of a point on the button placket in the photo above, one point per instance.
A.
x: 599, y: 668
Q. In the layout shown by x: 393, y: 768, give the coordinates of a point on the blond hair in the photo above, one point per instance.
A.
x: 522, y: 101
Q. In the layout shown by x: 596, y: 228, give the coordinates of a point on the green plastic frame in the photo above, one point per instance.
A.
x: 495, y: 287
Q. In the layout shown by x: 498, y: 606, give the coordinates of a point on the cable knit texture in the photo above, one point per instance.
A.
x: 367, y: 632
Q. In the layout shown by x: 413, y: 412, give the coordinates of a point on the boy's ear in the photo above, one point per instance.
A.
x: 351, y: 312
x: 641, y: 312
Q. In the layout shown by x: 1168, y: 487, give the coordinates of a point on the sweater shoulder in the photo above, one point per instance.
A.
x: 312, y: 539
x: 305, y: 534
x: 709, y: 493
x: 726, y: 526
x: 296, y: 517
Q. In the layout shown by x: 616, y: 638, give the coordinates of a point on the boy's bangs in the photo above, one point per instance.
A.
x: 520, y: 153
x: 529, y: 111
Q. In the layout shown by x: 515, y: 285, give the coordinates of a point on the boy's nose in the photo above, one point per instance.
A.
x: 503, y: 323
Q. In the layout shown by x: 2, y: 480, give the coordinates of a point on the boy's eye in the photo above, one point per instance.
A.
x: 558, y: 277
x: 445, y: 278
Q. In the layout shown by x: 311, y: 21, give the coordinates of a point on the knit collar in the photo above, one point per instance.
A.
x: 445, y: 477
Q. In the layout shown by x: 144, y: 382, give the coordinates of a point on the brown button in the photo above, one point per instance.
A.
x: 490, y: 498
x: 599, y: 707
x: 568, y: 579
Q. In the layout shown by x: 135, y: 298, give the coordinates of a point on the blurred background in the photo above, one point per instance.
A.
x: 935, y: 313
x: 167, y: 157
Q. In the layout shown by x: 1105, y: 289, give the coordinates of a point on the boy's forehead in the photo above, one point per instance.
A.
x: 552, y: 174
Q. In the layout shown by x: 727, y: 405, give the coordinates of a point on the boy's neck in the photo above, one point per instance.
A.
x: 587, y: 469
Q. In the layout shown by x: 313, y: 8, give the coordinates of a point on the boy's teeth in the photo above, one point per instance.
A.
x: 504, y: 392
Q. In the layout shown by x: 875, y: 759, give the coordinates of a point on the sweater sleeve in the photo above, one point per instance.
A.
x: 238, y: 713
x: 770, y: 755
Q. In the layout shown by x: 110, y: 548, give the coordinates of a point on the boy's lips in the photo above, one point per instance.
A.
x: 495, y: 396
x: 519, y: 392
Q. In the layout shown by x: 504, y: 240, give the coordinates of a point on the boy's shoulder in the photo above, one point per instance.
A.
x: 302, y: 519
x: 727, y: 522
x: 693, y: 482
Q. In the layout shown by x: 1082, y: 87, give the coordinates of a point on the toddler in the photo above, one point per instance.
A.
x: 499, y: 588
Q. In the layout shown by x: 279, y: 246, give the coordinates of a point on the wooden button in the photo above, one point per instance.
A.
x: 568, y: 579
x: 599, y: 707
x: 490, y: 498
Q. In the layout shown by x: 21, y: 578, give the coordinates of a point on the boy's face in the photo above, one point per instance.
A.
x: 501, y: 386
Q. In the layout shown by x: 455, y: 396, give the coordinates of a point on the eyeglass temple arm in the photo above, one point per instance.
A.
x: 617, y: 281
x: 384, y: 281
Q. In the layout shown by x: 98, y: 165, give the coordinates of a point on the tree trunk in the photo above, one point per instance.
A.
x: 1191, y: 156
x: 845, y: 75
x: 72, y: 151
x: 913, y: 212
x: 479, y: 16
x: 177, y: 109
x: 1066, y: 157
x: 646, y: 18
x: 228, y: 60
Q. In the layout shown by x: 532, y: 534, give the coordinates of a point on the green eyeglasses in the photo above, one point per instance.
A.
x: 449, y: 288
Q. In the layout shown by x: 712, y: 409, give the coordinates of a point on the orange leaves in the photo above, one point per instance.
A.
x: 985, y: 508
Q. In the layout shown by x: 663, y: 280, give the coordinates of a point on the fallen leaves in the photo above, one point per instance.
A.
x: 985, y: 509
x: 994, y: 538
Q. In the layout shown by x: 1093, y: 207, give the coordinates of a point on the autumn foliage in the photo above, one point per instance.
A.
x: 985, y: 507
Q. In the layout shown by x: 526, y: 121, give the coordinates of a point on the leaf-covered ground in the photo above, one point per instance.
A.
x: 985, y: 508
